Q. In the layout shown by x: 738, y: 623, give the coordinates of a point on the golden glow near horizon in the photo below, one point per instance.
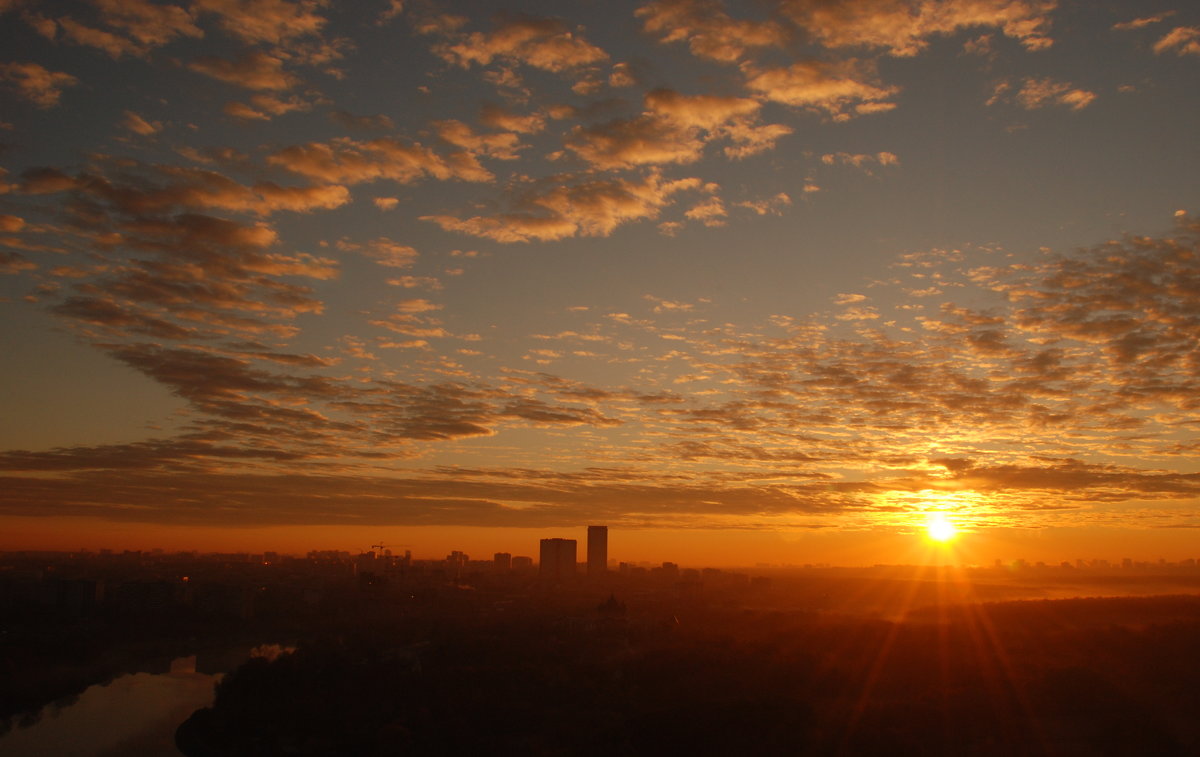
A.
x: 681, y: 266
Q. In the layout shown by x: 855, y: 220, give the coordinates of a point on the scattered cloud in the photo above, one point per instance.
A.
x: 254, y: 70
x: 498, y: 117
x: 1038, y: 93
x: 138, y: 125
x: 36, y: 83
x: 349, y: 161
x: 544, y: 43
x: 904, y: 27
x: 1143, y: 21
x: 708, y: 30
x: 383, y: 251
x: 840, y: 89
x: 1182, y: 40
x: 965, y: 372
x: 273, y: 22
x: 592, y: 208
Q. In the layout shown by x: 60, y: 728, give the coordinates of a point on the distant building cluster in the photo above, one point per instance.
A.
x: 558, y: 558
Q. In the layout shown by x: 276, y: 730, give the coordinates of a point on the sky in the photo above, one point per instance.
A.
x: 747, y: 282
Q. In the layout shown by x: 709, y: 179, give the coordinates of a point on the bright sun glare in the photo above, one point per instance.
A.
x: 940, y: 529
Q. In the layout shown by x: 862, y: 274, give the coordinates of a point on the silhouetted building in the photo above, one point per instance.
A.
x: 597, y: 551
x: 556, y: 561
x: 522, y: 564
x: 502, y: 562
x: 668, y: 572
x: 611, y: 608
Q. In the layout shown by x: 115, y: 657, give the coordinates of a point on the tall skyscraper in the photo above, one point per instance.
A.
x: 597, y: 551
x: 556, y: 561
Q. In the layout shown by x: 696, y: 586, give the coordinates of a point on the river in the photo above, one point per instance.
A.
x: 134, y: 715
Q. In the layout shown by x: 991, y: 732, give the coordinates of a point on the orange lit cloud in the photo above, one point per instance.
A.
x: 35, y: 83
x: 252, y: 70
x: 1038, y: 93
x: 594, y: 208
x: 543, y: 43
x: 903, y: 27
x: 708, y: 30
x: 345, y: 160
x: 1182, y: 40
x: 840, y: 89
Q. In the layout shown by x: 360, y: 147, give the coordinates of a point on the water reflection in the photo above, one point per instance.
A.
x: 134, y: 715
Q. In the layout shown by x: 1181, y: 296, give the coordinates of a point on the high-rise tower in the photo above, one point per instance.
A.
x: 556, y: 560
x: 597, y: 551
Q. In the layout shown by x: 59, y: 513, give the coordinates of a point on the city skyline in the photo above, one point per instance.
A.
x: 750, y: 282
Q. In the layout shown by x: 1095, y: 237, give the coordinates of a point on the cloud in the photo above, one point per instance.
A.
x: 377, y: 122
x: 543, y: 43
x: 395, y: 8
x: 1038, y: 93
x: 383, y: 251
x: 593, y: 208
x: 138, y: 125
x: 345, y: 160
x: 150, y: 24
x: 166, y: 188
x: 771, y: 206
x: 252, y: 70
x: 416, y: 282
x: 1134, y: 300
x: 708, y: 30
x: 1138, y: 23
x: 501, y: 118
x: 101, y: 312
x: 35, y: 83
x: 263, y: 107
x: 113, y: 44
x: 272, y: 22
x: 859, y: 159
x: 1096, y: 346
x: 751, y: 139
x: 711, y: 212
x: 134, y: 27
x: 449, y: 496
x: 14, y: 262
x: 840, y: 89
x: 188, y: 275
x: 675, y: 128
x: 708, y: 112
x: 1182, y: 40
x: 863, y: 161
x: 903, y: 27
x: 1070, y: 475
x: 621, y: 76
x: 626, y: 143
x: 503, y: 146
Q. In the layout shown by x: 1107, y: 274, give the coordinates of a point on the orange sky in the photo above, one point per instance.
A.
x: 695, y: 548
x: 745, y: 281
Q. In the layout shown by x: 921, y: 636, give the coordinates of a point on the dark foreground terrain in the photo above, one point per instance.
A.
x: 1051, y: 677
x: 410, y: 658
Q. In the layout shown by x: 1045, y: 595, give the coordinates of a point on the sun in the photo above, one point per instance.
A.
x: 940, y: 529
